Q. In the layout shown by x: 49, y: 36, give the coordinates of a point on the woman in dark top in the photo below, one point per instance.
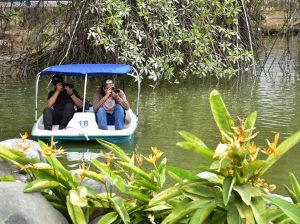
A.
x: 61, y: 101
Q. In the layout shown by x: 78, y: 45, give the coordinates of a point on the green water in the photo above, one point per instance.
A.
x: 169, y: 108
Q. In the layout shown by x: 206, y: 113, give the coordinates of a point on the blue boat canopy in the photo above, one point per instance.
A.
x: 89, y: 69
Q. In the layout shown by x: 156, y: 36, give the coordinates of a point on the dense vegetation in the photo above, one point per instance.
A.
x: 162, y: 39
x: 230, y: 190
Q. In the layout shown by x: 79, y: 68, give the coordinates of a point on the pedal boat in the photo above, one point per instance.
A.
x: 83, y: 125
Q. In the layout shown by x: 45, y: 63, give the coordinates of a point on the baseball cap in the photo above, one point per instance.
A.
x: 57, y: 79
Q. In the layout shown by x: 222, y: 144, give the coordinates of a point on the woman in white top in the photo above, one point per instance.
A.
x: 109, y: 105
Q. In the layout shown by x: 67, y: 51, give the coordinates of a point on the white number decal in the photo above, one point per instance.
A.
x: 84, y: 124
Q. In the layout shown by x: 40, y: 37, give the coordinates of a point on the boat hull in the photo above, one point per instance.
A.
x: 83, y: 126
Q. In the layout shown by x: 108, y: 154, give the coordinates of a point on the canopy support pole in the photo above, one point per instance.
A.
x: 36, y: 95
x: 84, y: 92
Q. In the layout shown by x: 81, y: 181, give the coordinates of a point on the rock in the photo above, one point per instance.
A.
x: 7, y: 168
x: 17, y: 207
x: 33, y: 152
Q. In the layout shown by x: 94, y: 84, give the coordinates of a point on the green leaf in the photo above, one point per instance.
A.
x: 39, y: 184
x: 139, y: 196
x: 245, y: 213
x: 233, y: 216
x: 196, y: 145
x: 202, y: 213
x: 16, y: 157
x: 295, y: 186
x: 245, y: 192
x: 118, y: 204
x: 166, y: 195
x: 258, y: 212
x: 162, y: 171
x: 76, y: 213
x: 182, y: 173
x: 136, y: 170
x: 113, y: 178
x: 291, y: 194
x: 53, y: 161
x: 201, y: 189
x: 108, y: 218
x: 289, y: 209
x: 220, y: 112
x: 7, y: 178
x: 250, y: 120
x: 95, y: 176
x: 284, y: 147
x: 181, y: 211
x: 76, y: 199
x: 227, y: 188
x: 115, y: 149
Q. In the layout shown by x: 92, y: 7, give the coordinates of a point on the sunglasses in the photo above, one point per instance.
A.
x: 108, y: 81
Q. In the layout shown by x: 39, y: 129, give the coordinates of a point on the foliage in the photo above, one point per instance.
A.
x: 160, y: 38
x: 230, y: 190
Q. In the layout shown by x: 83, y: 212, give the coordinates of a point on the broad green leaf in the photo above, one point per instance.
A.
x: 76, y: 213
x: 166, y: 195
x: 295, y: 186
x: 220, y: 112
x: 205, y: 152
x: 202, y: 213
x: 245, y: 192
x: 113, y: 178
x: 118, y: 204
x: 108, y: 218
x: 147, y: 184
x: 158, y: 207
x: 138, y: 195
x: 273, y: 213
x: 227, y: 188
x: 76, y: 198
x: 250, y: 120
x: 181, y: 211
x: 136, y: 170
x: 182, y: 173
x: 16, y: 157
x: 258, y: 213
x: 254, y: 166
x: 201, y: 189
x: 195, y: 144
x: 53, y: 161
x: 233, y: 216
x: 284, y: 147
x: 289, y: 209
x: 162, y: 171
x: 7, y: 178
x: 95, y: 176
x: 39, y: 184
x: 291, y: 194
x: 115, y: 149
x: 245, y: 212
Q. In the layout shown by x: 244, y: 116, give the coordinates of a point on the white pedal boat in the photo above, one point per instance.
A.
x: 83, y: 125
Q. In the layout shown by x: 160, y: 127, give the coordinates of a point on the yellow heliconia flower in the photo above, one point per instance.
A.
x: 24, y: 137
x: 253, y: 150
x: 80, y: 172
x: 156, y: 152
x: 139, y: 159
x: 109, y: 157
x: 155, y: 156
x: 272, y: 147
x: 51, y: 149
x: 23, y: 145
x: 150, y: 159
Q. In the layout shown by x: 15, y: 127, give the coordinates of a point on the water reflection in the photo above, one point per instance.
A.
x: 167, y: 109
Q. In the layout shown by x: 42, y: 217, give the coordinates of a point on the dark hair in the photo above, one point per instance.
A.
x: 104, y: 84
x: 57, y: 79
